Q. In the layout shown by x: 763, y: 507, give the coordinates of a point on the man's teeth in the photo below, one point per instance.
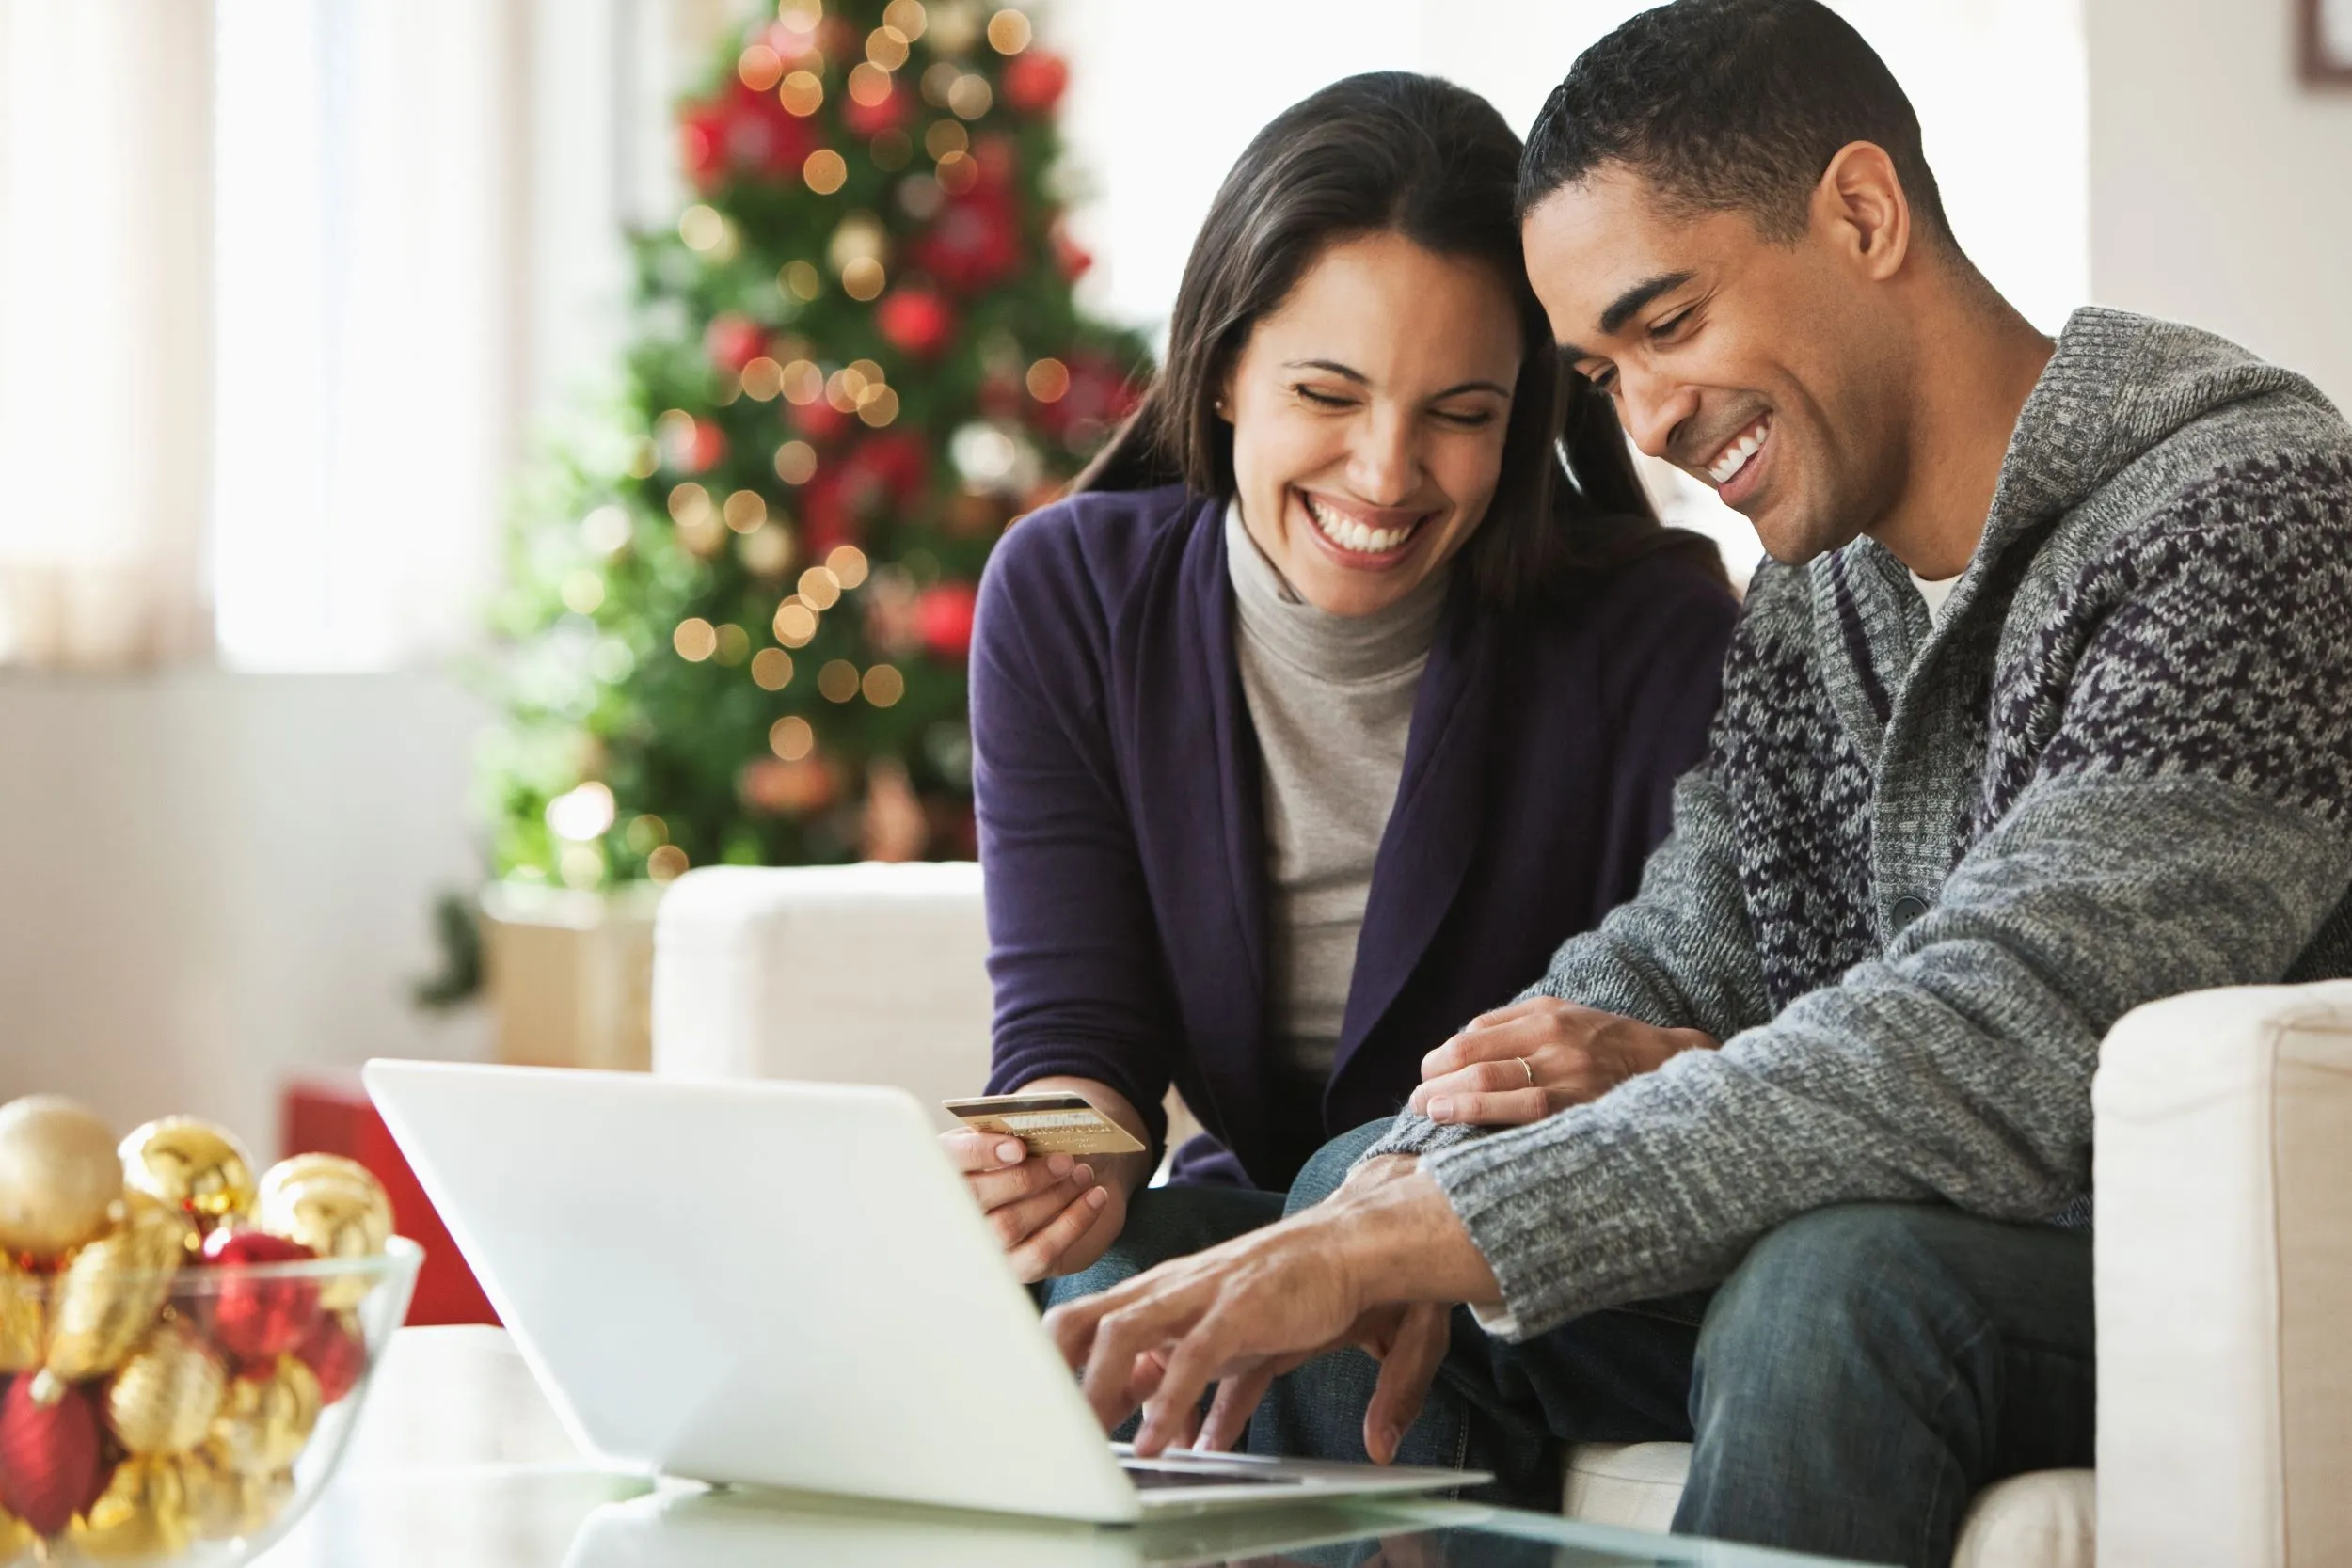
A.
x: 1349, y: 534
x: 1736, y: 456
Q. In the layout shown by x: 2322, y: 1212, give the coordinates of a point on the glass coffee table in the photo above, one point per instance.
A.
x: 457, y: 1460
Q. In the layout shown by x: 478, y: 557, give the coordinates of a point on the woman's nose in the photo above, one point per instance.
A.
x: 1384, y: 463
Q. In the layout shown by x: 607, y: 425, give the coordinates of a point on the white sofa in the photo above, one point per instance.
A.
x: 2223, y: 1253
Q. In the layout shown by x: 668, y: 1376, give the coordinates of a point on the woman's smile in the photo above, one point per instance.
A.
x: 1361, y: 538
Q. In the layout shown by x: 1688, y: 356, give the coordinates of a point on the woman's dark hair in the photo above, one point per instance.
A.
x: 1392, y: 152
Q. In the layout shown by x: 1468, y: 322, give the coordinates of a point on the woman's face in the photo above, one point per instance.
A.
x: 1368, y: 414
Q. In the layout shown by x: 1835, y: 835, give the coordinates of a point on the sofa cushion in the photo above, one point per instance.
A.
x: 2043, y: 1520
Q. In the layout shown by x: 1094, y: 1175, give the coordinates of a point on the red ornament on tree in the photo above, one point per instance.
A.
x: 976, y: 241
x: 1072, y: 258
x: 335, y: 1354
x: 1035, y: 81
x: 819, y: 420
x: 50, y: 1464
x: 743, y: 131
x: 257, y: 1321
x: 946, y: 611
x: 704, y: 450
x: 915, y: 321
x: 734, y: 341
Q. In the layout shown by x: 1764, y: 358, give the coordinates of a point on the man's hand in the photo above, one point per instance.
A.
x: 1521, y: 1063
x: 1373, y: 1265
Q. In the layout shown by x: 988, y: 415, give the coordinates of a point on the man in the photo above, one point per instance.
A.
x: 2043, y: 711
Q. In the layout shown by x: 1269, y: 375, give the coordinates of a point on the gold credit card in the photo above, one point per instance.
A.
x: 1045, y: 1123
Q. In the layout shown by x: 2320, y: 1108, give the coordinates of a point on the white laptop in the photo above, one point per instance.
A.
x: 783, y: 1285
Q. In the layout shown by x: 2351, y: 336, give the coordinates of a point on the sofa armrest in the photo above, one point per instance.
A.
x: 868, y: 973
x: 2223, y: 1263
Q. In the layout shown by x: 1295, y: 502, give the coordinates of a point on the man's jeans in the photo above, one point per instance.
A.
x: 1860, y: 1375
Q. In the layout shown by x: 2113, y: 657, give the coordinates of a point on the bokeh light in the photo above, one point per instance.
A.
x: 958, y: 172
x: 645, y: 833
x: 759, y: 66
x: 837, y: 681
x: 605, y: 530
x: 907, y: 16
x: 746, y: 509
x: 582, y: 814
x: 883, y: 686
x: 791, y: 737
x: 666, y: 864
x: 863, y: 278
x: 879, y: 407
x: 796, y: 461
x: 771, y: 668
x: 799, y: 281
x: 804, y: 382
x: 767, y: 550
x: 1009, y: 32
x: 848, y: 565
x: 762, y: 379
x: 819, y: 588
x: 869, y: 83
x: 825, y: 171
x: 892, y: 151
x: 803, y: 93
x: 734, y: 644
x: 971, y: 96
x: 795, y: 624
x: 945, y: 136
x: 1048, y: 380
x: 886, y: 48
x: 695, y: 639
x: 703, y: 228
x: 583, y: 591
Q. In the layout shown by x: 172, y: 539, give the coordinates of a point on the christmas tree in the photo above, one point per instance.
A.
x: 737, y: 615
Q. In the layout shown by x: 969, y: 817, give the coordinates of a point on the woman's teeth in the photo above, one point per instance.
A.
x: 1349, y: 534
x: 1735, y: 456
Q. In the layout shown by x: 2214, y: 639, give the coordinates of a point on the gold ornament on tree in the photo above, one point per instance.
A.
x: 334, y: 1207
x: 265, y: 1422
x: 142, y: 1514
x: 191, y: 1166
x: 55, y: 1187
x: 107, y: 1297
x: 163, y: 1398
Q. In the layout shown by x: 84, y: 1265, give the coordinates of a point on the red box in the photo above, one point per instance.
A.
x: 333, y: 1116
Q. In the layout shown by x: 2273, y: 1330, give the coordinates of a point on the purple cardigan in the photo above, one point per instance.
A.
x: 1117, y: 778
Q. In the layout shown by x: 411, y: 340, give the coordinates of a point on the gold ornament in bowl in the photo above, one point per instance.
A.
x: 22, y: 1322
x: 54, y: 1189
x: 104, y: 1299
x: 16, y: 1537
x: 265, y: 1422
x: 190, y: 1165
x: 331, y: 1205
x: 142, y: 1514
x: 163, y: 1398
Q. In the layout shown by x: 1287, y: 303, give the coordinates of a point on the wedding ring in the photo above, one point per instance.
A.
x: 1528, y: 1070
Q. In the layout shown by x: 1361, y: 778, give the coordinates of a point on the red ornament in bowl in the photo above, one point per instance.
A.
x: 257, y: 1321
x: 51, y: 1467
x: 335, y: 1354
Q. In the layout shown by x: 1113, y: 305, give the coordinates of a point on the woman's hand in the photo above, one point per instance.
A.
x: 1052, y: 1214
x: 1521, y: 1063
x: 1042, y: 1206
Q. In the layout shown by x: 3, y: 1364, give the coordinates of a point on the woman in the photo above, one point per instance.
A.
x: 1330, y: 704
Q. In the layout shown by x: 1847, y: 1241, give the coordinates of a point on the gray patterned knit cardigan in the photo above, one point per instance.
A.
x: 1926, y: 866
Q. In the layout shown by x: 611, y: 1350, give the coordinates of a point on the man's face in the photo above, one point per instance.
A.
x: 1772, y: 373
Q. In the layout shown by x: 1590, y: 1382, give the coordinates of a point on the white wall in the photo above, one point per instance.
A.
x: 209, y: 882
x: 2221, y: 186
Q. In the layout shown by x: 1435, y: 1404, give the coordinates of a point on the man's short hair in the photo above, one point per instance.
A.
x: 1729, y: 106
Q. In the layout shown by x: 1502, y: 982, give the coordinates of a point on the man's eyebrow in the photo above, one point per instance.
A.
x: 1621, y: 309
x: 1362, y: 380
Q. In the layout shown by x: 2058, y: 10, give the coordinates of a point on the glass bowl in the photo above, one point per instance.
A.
x: 205, y: 1439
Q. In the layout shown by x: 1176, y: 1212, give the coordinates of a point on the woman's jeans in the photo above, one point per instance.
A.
x: 1853, y: 1384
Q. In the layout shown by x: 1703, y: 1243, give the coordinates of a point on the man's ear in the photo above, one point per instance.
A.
x: 1860, y: 204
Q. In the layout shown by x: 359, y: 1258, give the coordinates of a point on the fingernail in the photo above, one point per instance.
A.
x: 1440, y: 1108
x: 1097, y: 1197
x: 1390, y: 1438
x: 1010, y: 1151
x: 1057, y: 1165
x: 1082, y: 1174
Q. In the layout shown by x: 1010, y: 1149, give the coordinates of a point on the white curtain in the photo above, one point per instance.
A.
x: 106, y: 272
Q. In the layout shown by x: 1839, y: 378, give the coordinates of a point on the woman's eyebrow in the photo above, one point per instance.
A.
x: 1350, y: 373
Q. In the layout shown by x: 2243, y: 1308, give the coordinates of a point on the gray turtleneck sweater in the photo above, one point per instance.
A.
x: 1331, y: 700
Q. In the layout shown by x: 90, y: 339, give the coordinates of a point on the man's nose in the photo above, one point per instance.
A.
x: 1384, y: 460
x: 1652, y: 409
